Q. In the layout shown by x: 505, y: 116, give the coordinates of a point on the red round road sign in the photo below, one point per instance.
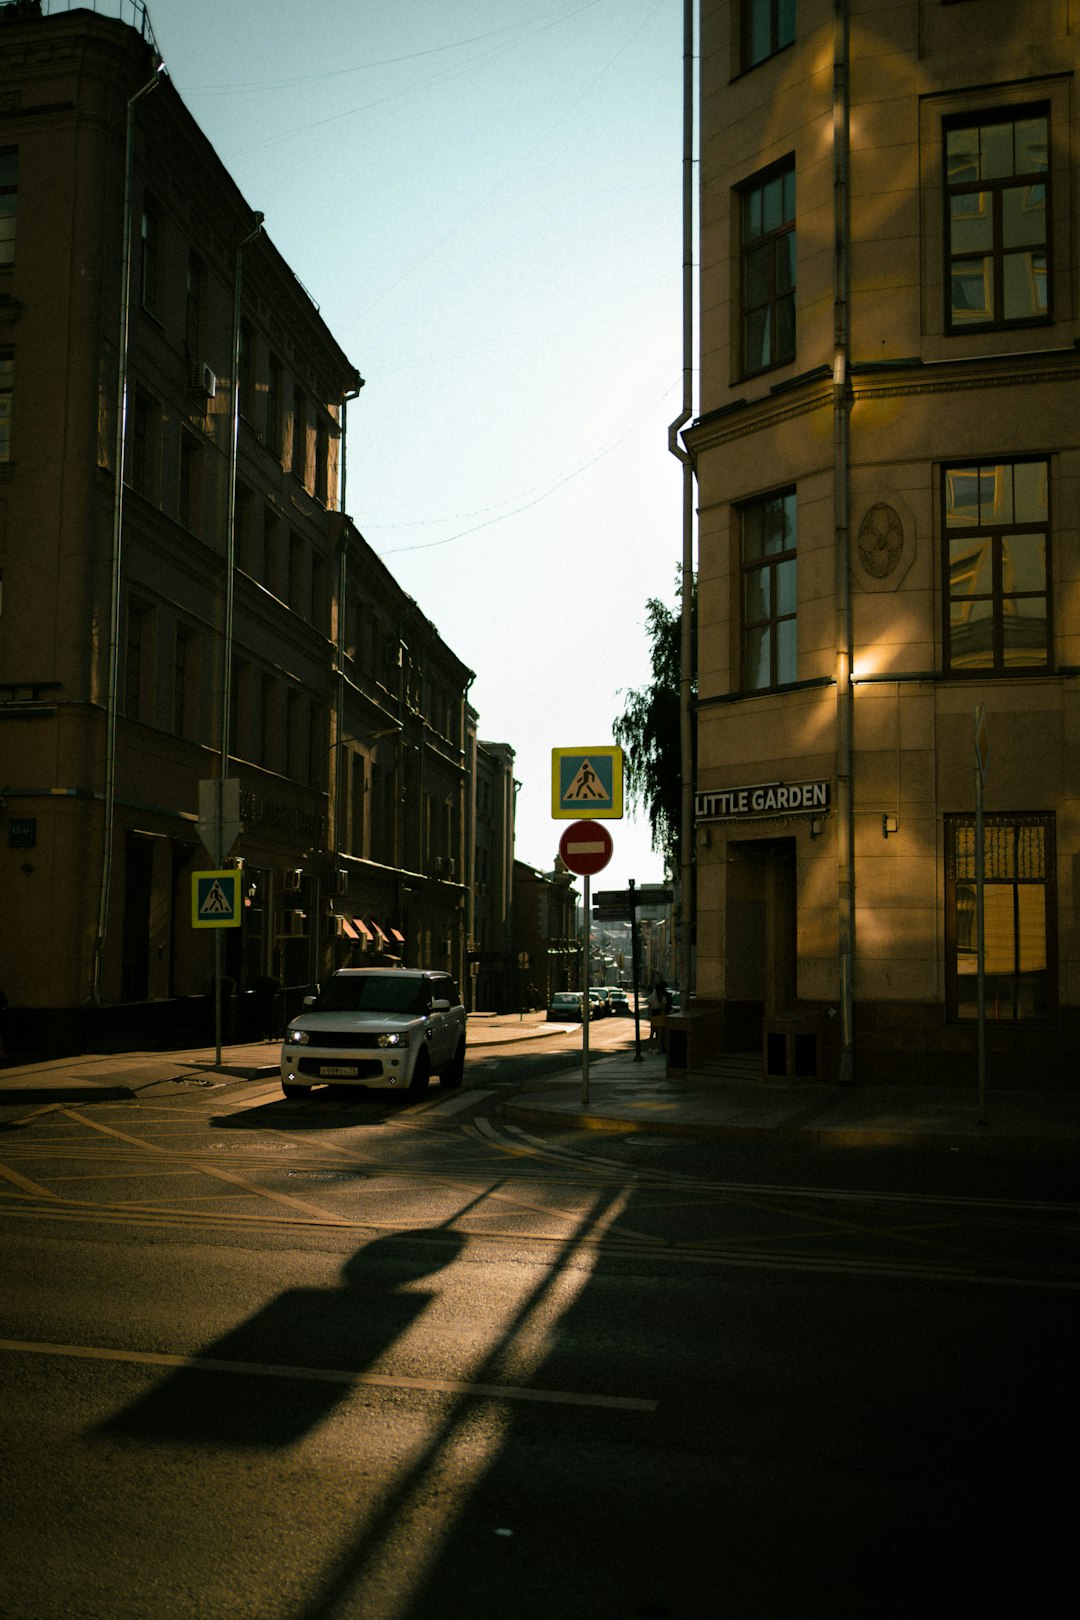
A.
x: 586, y: 847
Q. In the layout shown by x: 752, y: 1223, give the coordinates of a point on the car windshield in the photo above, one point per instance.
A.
x: 374, y: 992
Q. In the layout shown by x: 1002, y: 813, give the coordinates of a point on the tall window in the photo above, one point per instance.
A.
x: 246, y: 370
x: 150, y: 231
x: 1019, y: 917
x: 997, y: 220
x: 997, y: 566
x: 7, y: 386
x: 769, y: 593
x: 144, y: 445
x: 187, y: 503
x: 273, y: 404
x: 9, y: 198
x: 136, y: 654
x: 299, y: 435
x: 767, y: 26
x: 767, y: 225
x: 322, y: 462
x: 184, y: 676
x: 193, y: 308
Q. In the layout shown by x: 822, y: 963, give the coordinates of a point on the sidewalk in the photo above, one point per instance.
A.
x: 626, y: 1095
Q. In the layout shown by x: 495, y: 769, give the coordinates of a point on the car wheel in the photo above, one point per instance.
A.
x: 454, y: 1073
x: 295, y: 1091
x: 420, y: 1076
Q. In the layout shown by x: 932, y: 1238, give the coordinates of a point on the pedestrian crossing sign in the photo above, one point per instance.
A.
x: 215, y: 899
x: 587, y: 783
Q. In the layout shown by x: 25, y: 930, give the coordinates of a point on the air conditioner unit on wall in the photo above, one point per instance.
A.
x: 292, y: 924
x: 291, y: 880
x: 201, y: 379
x: 342, y: 880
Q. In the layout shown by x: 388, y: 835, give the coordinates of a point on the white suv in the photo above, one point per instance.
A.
x: 377, y: 1027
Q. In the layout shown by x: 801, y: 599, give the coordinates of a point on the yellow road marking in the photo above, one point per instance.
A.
x: 25, y: 1185
x: 329, y: 1375
x: 207, y: 1169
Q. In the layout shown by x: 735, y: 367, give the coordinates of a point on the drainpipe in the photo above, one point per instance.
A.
x: 230, y: 529
x: 845, y: 819
x: 112, y: 697
x: 684, y: 969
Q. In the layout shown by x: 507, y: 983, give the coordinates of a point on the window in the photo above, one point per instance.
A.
x: 997, y: 566
x: 1019, y: 917
x: 767, y: 236
x: 187, y: 499
x: 193, y: 308
x: 299, y: 435
x: 767, y: 26
x: 246, y: 369
x: 322, y: 462
x: 769, y: 593
x: 273, y: 404
x: 268, y: 562
x: 9, y: 197
x: 151, y: 254
x: 136, y: 659
x: 997, y: 220
x: 297, y: 573
x: 144, y: 445
x: 185, y: 666
x: 7, y: 385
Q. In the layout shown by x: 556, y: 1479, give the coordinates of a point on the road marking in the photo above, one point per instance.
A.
x: 24, y: 1185
x: 207, y: 1169
x: 329, y: 1375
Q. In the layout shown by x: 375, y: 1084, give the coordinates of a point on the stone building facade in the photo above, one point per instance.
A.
x: 888, y: 473
x: 210, y: 614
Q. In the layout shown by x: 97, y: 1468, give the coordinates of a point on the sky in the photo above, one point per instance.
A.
x: 483, y: 198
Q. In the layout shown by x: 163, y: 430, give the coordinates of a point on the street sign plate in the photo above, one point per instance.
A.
x: 215, y: 899
x: 219, y: 816
x: 587, y: 783
x: 585, y: 848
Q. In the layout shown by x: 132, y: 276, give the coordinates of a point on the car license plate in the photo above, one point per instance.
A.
x: 337, y: 1071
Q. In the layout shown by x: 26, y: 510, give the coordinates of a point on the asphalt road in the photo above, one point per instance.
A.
x: 348, y: 1358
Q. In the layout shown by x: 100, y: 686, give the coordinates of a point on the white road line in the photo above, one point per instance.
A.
x: 329, y: 1375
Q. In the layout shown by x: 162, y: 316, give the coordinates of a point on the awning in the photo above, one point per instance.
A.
x: 362, y: 929
x: 348, y: 926
x: 379, y: 933
x: 399, y: 937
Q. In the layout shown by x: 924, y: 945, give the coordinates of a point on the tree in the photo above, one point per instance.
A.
x: 648, y: 729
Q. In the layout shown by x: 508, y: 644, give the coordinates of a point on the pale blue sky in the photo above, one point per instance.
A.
x: 483, y: 198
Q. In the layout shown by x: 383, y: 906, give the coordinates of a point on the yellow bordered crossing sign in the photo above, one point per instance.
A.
x: 215, y: 899
x: 587, y: 783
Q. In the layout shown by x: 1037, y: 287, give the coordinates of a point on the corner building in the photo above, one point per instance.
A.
x: 889, y: 591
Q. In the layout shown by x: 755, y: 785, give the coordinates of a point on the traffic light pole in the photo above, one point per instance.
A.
x: 586, y: 1005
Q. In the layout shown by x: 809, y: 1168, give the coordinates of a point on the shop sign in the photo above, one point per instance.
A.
x: 764, y: 799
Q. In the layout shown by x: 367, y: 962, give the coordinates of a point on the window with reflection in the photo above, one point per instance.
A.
x: 997, y: 220
x: 767, y: 242
x: 767, y: 26
x: 769, y: 592
x: 997, y: 566
x: 1019, y: 917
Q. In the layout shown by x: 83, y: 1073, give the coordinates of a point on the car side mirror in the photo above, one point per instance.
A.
x: 440, y: 1006
x: 309, y: 1001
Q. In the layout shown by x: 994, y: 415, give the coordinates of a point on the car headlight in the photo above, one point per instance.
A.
x: 298, y: 1037
x: 394, y: 1038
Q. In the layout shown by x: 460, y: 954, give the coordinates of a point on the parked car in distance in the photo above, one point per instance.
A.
x: 383, y: 1027
x: 619, y: 1003
x: 598, y: 998
x: 565, y: 1007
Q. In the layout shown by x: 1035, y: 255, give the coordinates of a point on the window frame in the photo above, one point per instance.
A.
x: 9, y: 210
x: 996, y: 187
x: 767, y: 563
x: 7, y: 403
x: 958, y: 879
x: 998, y: 596
x: 775, y: 10
x: 769, y: 239
x: 150, y: 257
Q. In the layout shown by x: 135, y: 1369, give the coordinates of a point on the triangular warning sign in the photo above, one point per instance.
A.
x: 586, y: 788
x: 215, y: 902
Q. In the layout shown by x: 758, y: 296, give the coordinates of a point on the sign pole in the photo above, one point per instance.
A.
x: 634, y: 969
x: 586, y: 1005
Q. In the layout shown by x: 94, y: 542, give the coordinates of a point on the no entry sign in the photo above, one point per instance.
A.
x: 586, y: 847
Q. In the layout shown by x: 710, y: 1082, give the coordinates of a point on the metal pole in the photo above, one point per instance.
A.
x: 586, y: 1008
x: 634, y: 971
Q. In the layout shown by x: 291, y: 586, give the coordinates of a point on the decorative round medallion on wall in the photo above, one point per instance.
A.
x: 881, y: 540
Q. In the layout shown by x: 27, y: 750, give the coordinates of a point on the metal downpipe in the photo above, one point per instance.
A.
x: 845, y: 845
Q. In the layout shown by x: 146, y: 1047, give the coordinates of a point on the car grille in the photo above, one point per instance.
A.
x: 355, y: 1040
